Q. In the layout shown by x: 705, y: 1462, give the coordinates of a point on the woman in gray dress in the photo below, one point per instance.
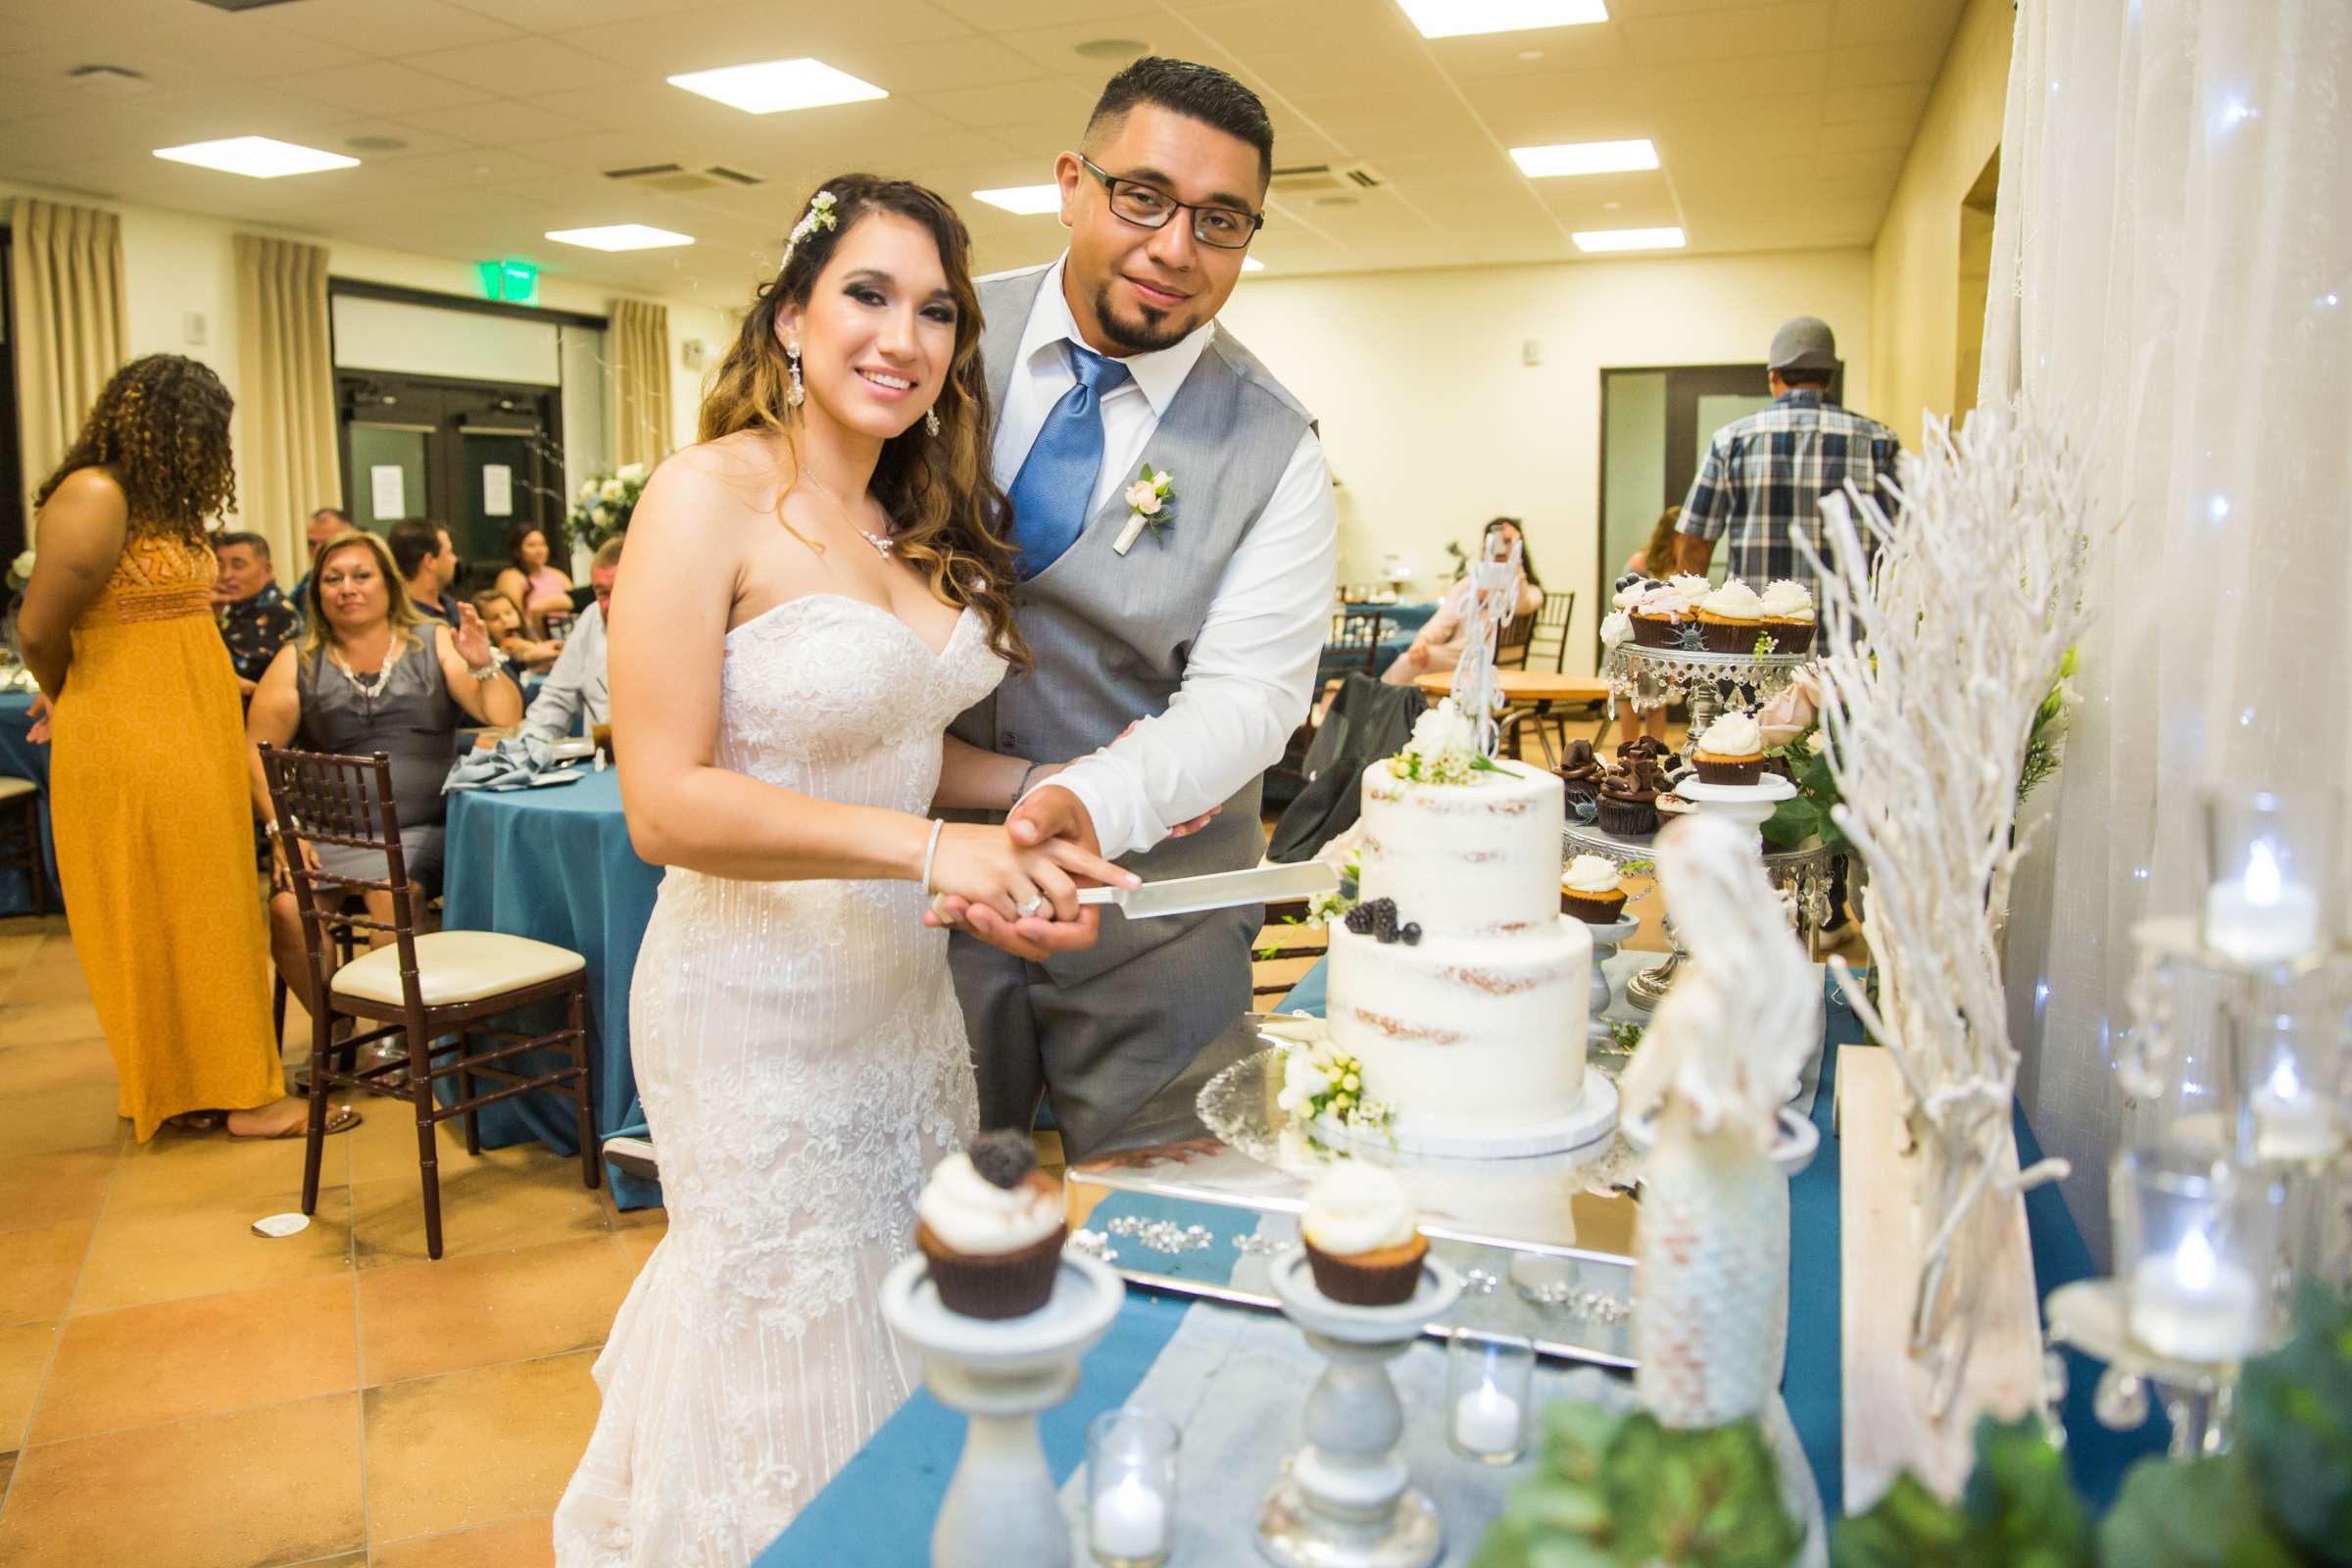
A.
x: 367, y: 676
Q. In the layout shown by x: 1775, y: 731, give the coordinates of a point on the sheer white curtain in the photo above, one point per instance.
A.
x: 2176, y: 221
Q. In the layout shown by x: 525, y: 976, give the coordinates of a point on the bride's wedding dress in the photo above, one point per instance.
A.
x: 803, y: 1065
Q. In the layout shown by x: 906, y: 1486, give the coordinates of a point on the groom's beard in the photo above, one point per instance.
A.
x: 1154, y: 331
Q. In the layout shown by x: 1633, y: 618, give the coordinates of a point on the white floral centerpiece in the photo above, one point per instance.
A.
x: 602, y: 507
x: 1318, y: 1080
x: 1444, y: 749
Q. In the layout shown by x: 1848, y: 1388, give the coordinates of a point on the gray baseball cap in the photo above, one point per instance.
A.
x: 1803, y: 343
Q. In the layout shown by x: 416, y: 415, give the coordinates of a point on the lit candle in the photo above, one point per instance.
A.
x: 2261, y: 917
x: 2194, y: 1306
x: 2289, y: 1123
x: 1130, y: 1521
x: 1486, y: 1420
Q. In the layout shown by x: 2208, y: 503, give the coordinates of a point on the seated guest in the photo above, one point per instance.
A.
x: 255, y: 618
x: 503, y: 618
x: 537, y: 588
x: 577, y: 682
x: 428, y: 565
x: 369, y: 676
x: 327, y: 523
x: 1440, y: 643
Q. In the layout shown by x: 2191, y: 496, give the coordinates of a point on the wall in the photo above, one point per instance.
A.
x: 1915, y: 266
x: 1433, y: 424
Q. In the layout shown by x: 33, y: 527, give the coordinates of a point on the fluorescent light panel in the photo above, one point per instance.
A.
x: 256, y: 156
x: 773, y: 85
x: 1584, y: 158
x: 1028, y: 200
x: 1628, y: 239
x: 1455, y: 19
x: 619, y: 237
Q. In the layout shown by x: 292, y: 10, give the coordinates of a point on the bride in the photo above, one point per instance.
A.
x: 811, y: 593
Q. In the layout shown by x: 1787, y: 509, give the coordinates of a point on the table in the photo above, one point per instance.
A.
x: 556, y: 865
x: 878, y: 1511
x: 21, y: 759
x: 1409, y: 617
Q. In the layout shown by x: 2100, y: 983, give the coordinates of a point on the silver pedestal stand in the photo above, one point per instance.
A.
x: 1347, y: 1501
x: 1000, y: 1507
x: 1651, y: 677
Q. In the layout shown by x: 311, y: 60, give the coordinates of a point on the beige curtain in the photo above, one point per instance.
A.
x: 66, y: 277
x: 286, y: 466
x: 639, y: 349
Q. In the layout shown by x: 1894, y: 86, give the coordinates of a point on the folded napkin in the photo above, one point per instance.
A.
x: 511, y: 764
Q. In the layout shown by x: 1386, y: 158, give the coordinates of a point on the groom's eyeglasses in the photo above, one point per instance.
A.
x: 1228, y: 228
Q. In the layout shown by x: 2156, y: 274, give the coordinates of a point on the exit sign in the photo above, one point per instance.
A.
x: 516, y: 282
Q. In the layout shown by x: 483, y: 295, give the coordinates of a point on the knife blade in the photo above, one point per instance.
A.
x: 1185, y: 895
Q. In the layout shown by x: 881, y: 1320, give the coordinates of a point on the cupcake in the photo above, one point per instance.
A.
x: 1649, y: 747
x: 1660, y: 613
x: 1672, y: 805
x: 1789, y: 615
x: 1730, y: 750
x: 1629, y: 800
x: 1579, y: 773
x: 1731, y: 619
x: 1360, y: 1237
x: 992, y: 1225
x: 1588, y: 891
x: 1693, y: 584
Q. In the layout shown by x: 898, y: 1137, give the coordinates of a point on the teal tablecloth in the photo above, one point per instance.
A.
x: 878, y: 1510
x: 21, y: 759
x: 556, y: 865
x: 1409, y: 617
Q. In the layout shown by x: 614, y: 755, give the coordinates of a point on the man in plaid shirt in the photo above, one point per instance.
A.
x: 1765, y: 474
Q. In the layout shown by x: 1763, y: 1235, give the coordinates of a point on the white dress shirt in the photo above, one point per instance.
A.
x: 576, y: 683
x: 1251, y: 671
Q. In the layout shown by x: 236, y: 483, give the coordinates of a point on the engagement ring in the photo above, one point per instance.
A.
x: 1025, y: 910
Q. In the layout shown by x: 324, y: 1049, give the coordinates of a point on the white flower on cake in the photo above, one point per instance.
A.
x: 1443, y: 749
x: 1615, y: 628
x: 1317, y: 1081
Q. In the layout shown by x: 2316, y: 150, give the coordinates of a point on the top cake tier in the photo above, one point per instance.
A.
x: 1480, y: 859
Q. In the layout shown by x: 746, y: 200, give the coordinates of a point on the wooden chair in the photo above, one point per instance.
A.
x: 1352, y: 630
x: 427, y: 984
x: 1308, y: 942
x: 1510, y: 644
x: 21, y: 837
x: 1548, y: 638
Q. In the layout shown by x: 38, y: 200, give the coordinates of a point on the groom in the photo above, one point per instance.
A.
x: 1208, y: 626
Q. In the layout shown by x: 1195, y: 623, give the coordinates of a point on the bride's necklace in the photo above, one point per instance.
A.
x: 880, y: 543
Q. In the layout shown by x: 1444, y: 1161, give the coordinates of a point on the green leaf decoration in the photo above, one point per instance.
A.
x: 2294, y: 1424
x: 2201, y: 1513
x: 1909, y: 1527
x: 2019, y: 1511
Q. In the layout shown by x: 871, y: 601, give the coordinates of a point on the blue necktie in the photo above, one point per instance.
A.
x: 1055, y: 489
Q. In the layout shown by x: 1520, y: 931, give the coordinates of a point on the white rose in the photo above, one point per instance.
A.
x: 587, y: 489
x: 631, y: 471
x: 611, y: 490
x: 1150, y: 504
x: 1817, y: 743
x: 22, y: 567
x: 601, y: 516
x: 1302, y: 1079
x: 1444, y: 728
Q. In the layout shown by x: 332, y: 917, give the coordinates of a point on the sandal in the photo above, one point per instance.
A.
x: 197, y: 1121
x: 339, y: 1119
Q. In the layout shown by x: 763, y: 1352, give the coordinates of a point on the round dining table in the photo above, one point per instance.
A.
x: 555, y: 864
x: 1532, y: 699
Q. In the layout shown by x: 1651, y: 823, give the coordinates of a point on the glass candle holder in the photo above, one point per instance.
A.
x: 1129, y: 1488
x: 1489, y: 1396
x: 2269, y: 864
x: 2290, y: 1060
x: 2196, y: 1245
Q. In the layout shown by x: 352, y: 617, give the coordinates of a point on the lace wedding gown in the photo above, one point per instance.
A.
x: 802, y: 1064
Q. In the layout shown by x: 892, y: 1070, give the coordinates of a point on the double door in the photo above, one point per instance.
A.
x: 478, y: 457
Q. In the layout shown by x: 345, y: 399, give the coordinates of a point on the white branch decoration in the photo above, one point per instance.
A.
x: 1492, y: 602
x: 1937, y: 654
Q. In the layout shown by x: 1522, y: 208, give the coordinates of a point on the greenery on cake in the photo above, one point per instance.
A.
x: 1320, y: 1080
x: 1324, y: 907
x: 1444, y: 749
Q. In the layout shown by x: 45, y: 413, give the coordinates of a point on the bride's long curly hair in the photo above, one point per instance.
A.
x: 949, y: 517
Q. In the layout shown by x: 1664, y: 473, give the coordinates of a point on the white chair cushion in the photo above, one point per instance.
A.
x: 11, y: 788
x: 457, y: 967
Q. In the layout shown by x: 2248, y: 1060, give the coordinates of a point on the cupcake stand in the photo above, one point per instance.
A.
x: 1651, y: 677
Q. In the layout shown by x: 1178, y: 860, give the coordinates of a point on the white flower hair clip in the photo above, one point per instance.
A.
x: 820, y: 216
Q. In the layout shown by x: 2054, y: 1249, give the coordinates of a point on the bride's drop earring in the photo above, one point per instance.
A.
x: 931, y: 421
x: 797, y: 392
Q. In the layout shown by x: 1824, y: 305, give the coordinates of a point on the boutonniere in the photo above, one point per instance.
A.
x: 1151, y: 504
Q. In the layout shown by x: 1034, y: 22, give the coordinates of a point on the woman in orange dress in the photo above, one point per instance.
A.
x: 147, y: 786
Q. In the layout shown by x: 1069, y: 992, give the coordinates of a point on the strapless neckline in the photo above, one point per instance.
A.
x: 955, y: 633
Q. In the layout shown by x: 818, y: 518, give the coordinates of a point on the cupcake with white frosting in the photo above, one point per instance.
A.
x: 1730, y: 750
x: 1789, y: 615
x: 1363, y: 1236
x: 991, y: 1224
x: 1693, y: 585
x: 1590, y: 890
x: 1731, y: 619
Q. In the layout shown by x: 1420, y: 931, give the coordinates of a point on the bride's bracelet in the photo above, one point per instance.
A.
x: 1022, y: 788
x: 931, y: 852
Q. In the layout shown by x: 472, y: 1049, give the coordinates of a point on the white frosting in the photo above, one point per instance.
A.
x: 1691, y: 584
x: 974, y: 1214
x: 1734, y: 601
x: 1463, y: 859
x: 1732, y: 735
x: 1355, y: 1209
x: 1783, y: 600
x: 1630, y: 595
x: 1615, y: 627
x: 1591, y: 874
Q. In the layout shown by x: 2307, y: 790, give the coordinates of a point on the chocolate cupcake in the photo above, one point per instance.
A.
x: 1731, y: 619
x: 1579, y: 773
x: 1590, y: 890
x: 1361, y: 1238
x: 1629, y: 797
x: 1660, y: 616
x: 992, y: 1225
x: 1730, y: 750
x: 1643, y: 746
x: 1789, y: 615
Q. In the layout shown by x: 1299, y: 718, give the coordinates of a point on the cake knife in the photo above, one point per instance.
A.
x: 1184, y: 895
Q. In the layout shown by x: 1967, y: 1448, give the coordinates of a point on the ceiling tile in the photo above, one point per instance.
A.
x: 1906, y: 101
x: 499, y: 120
x: 384, y: 27
x: 1013, y: 102
x: 1009, y: 16
x: 383, y: 87
x: 1728, y: 34
x: 520, y: 64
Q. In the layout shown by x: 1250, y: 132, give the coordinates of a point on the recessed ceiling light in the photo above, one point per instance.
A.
x: 1028, y: 200
x: 1250, y: 264
x: 1114, y: 48
x: 1584, y: 158
x: 1455, y: 19
x: 619, y: 237
x: 771, y: 85
x: 257, y: 155
x: 1628, y: 239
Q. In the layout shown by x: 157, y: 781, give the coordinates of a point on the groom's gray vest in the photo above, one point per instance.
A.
x: 1112, y: 633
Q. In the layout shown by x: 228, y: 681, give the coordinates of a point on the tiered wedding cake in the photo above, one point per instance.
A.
x: 1468, y: 1020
